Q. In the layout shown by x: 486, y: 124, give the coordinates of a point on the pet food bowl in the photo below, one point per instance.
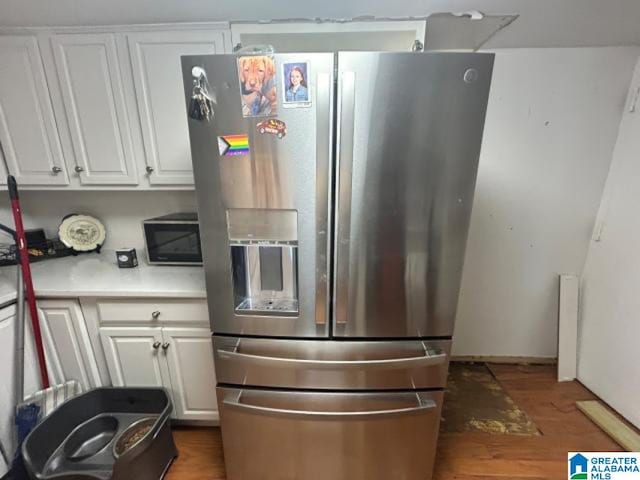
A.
x: 104, y: 434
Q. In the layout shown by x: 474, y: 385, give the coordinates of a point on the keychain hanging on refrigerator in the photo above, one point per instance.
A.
x: 202, y: 102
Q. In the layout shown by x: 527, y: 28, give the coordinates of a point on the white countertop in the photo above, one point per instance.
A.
x: 98, y: 275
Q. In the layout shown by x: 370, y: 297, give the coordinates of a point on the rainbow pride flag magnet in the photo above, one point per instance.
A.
x: 233, y: 145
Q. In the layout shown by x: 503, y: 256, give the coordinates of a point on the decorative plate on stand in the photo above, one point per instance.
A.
x: 82, y: 233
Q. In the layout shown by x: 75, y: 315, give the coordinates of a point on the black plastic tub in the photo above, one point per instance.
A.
x: 104, y: 434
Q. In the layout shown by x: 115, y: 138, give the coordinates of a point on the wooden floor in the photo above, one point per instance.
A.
x: 465, y: 456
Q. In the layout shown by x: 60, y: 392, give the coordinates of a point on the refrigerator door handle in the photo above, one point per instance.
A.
x: 323, y: 173
x: 426, y: 360
x: 233, y: 400
x: 346, y: 116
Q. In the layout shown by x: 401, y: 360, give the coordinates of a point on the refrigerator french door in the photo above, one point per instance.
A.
x: 268, y: 206
x: 333, y: 243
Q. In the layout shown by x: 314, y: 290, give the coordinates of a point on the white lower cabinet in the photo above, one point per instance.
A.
x: 133, y: 356
x: 55, y: 372
x: 67, y: 346
x: 180, y: 359
x: 7, y: 386
x: 193, y: 382
x: 68, y: 352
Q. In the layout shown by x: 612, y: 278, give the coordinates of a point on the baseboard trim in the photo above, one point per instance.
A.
x: 611, y: 423
x: 510, y: 360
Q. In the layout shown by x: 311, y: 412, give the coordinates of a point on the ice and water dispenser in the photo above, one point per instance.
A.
x: 264, y: 261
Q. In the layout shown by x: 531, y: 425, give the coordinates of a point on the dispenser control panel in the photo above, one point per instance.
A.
x: 264, y: 261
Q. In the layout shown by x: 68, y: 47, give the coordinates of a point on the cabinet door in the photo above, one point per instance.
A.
x: 55, y: 371
x: 3, y: 168
x: 31, y: 369
x: 93, y: 98
x: 157, y: 72
x: 64, y: 324
x: 133, y: 357
x: 8, y: 324
x: 193, y: 383
x: 7, y: 371
x: 28, y: 132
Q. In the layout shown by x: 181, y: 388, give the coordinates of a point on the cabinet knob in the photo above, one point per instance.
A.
x: 56, y: 169
x: 165, y: 345
x: 79, y: 169
x: 155, y: 314
x: 149, y: 169
x: 156, y: 345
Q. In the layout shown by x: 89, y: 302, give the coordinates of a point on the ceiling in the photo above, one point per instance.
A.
x: 542, y: 23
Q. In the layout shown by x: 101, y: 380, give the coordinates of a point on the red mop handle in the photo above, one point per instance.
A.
x: 21, y: 241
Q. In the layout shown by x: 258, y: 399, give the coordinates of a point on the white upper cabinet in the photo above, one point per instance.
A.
x: 157, y: 73
x: 28, y: 131
x: 99, y: 108
x: 91, y: 82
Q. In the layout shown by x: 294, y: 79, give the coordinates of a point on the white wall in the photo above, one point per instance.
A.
x: 566, y: 23
x: 121, y: 212
x: 609, y: 333
x: 551, y: 125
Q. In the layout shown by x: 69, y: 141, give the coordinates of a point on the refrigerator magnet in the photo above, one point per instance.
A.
x: 230, y: 145
x: 273, y: 126
x: 296, y: 91
x: 257, y: 76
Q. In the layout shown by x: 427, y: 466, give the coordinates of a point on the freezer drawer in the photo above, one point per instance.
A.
x: 283, y: 435
x: 331, y: 365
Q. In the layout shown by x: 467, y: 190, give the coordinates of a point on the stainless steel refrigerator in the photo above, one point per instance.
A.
x: 333, y: 230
